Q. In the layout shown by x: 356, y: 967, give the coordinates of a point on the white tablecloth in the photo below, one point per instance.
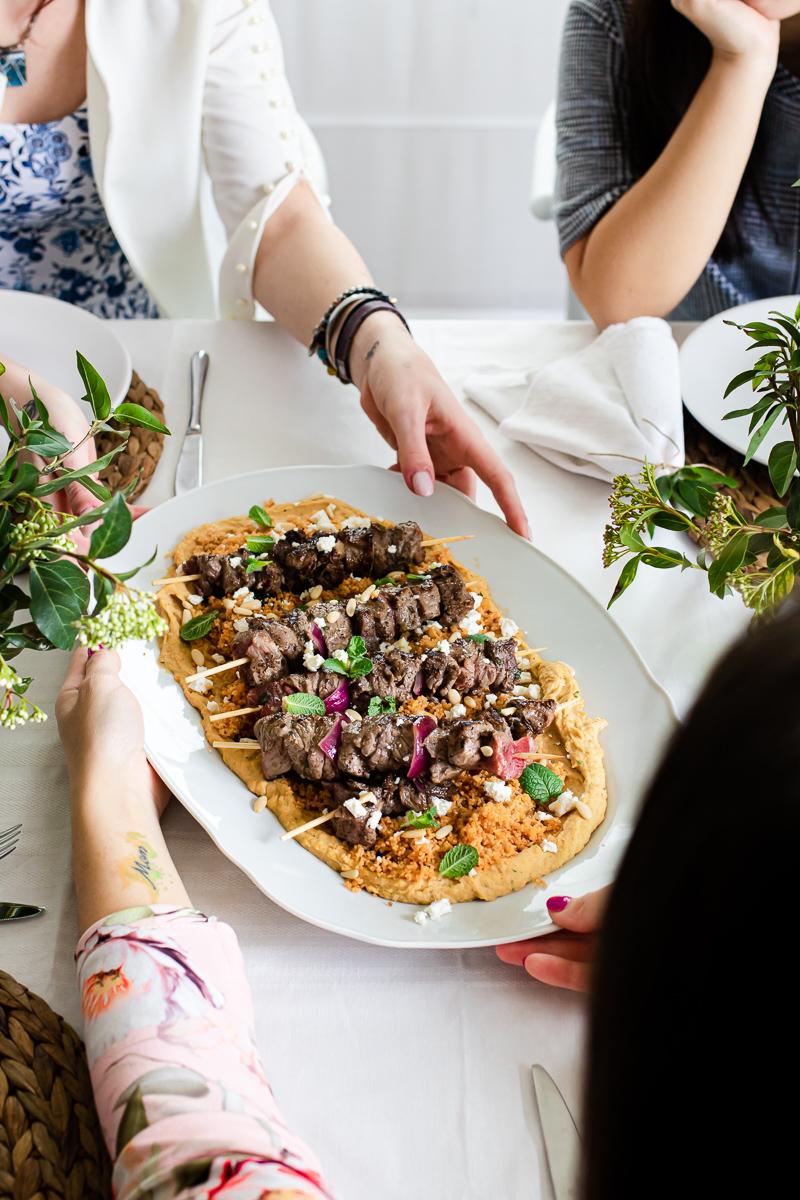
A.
x: 407, y: 1071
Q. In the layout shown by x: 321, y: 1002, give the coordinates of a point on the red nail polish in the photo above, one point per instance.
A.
x: 557, y: 903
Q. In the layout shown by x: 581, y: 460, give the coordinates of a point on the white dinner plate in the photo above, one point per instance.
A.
x: 710, y: 357
x: 550, y: 606
x: 43, y: 334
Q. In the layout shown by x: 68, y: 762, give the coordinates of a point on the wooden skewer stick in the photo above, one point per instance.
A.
x: 568, y: 704
x: 243, y: 745
x: 174, y: 579
x: 292, y: 833
x: 459, y: 537
x: 237, y: 662
x: 528, y: 757
x: 236, y: 712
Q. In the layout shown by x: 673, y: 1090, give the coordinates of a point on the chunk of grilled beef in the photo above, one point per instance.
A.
x: 358, y: 552
x: 455, y: 598
x: 357, y: 830
x: 392, y: 676
x: 376, y: 746
x: 315, y: 683
x: 470, y: 667
x: 530, y: 716
x: 224, y: 574
x: 455, y: 745
x: 271, y: 646
x: 295, y: 740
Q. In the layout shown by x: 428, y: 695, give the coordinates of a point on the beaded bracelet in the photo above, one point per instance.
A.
x: 318, y: 341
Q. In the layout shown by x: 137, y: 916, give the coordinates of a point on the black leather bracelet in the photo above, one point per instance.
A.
x: 353, y: 322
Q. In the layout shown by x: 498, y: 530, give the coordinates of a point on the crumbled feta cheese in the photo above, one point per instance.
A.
x: 212, y: 706
x: 193, y: 599
x: 508, y: 627
x: 321, y: 522
x: 340, y: 656
x: 442, y: 806
x: 477, y: 600
x: 356, y: 523
x: 218, y: 658
x: 240, y: 625
x: 474, y: 871
x: 491, y: 698
x: 242, y: 591
x: 525, y: 677
x: 444, y: 646
x: 439, y: 908
x: 374, y: 819
x: 320, y: 622
x: 534, y: 691
x: 201, y: 685
x: 549, y: 847
x: 421, y: 917
x: 401, y: 644
x: 471, y: 623
x: 236, y: 560
x: 326, y: 544
x: 392, y: 549
x: 354, y: 806
x: 311, y: 660
x: 563, y: 803
x: 458, y: 710
x: 496, y: 790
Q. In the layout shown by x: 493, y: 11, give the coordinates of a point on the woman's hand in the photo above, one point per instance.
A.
x: 415, y: 411
x: 739, y: 29
x: 101, y: 728
x: 563, y: 959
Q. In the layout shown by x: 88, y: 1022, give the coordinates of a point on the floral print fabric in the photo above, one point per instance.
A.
x: 182, y: 1097
x: 54, y: 233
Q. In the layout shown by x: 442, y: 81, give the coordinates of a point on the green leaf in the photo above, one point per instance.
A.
x: 631, y: 539
x: 258, y: 545
x: 361, y: 666
x: 256, y: 564
x: 198, y: 626
x: 23, y: 637
x: 335, y: 664
x: 480, y: 638
x: 773, y: 518
x: 425, y: 820
x: 136, y: 414
x: 25, y: 478
x: 12, y: 598
x: 114, y: 532
x: 260, y: 516
x: 47, y: 444
x: 378, y: 706
x: 103, y: 591
x: 737, y: 381
x: 626, y: 578
x: 793, y: 506
x: 56, y: 482
x: 5, y: 418
x: 134, y: 1120
x: 729, y: 559
x: 123, y: 576
x: 664, y: 520
x: 59, y: 595
x: 357, y: 647
x: 762, y: 431
x: 458, y: 861
x: 782, y: 466
x: 96, y: 390
x: 541, y: 783
x: 99, y: 490
x: 305, y: 703
x: 662, y: 558
x: 416, y: 578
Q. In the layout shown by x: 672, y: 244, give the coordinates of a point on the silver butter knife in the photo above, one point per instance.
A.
x: 561, y: 1139
x: 17, y: 912
x: 189, y: 471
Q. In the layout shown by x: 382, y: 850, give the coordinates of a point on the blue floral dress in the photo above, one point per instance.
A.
x: 55, y: 238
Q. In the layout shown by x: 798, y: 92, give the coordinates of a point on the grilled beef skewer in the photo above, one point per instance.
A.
x: 299, y: 562
x: 398, y: 675
x: 274, y: 646
x: 394, y: 797
x: 377, y: 746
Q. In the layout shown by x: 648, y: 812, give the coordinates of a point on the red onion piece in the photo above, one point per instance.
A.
x: 318, y: 639
x: 504, y: 761
x: 418, y: 686
x: 330, y: 743
x: 339, y: 700
x: 423, y: 726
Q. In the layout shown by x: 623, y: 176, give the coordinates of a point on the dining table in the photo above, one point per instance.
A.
x: 408, y: 1071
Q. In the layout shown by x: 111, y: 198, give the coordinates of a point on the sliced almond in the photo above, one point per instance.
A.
x: 350, y: 874
x: 442, y: 833
x: 198, y: 657
x: 350, y: 608
x: 259, y: 804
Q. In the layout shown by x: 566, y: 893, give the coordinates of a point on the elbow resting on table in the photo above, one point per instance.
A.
x: 611, y: 296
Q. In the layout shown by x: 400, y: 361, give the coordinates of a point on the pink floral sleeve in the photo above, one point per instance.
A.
x: 185, y: 1106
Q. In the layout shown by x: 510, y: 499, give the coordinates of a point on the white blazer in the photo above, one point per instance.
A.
x: 195, y: 141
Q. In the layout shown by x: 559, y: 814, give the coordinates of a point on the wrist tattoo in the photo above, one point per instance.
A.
x: 372, y: 350
x: 142, y: 862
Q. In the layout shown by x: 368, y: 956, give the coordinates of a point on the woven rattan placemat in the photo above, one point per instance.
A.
x: 143, y: 450
x: 51, y: 1147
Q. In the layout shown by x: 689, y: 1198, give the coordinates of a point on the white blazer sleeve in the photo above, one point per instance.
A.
x: 256, y: 146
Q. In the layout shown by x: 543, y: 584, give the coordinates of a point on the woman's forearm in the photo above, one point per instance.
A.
x: 120, y: 858
x: 645, y: 254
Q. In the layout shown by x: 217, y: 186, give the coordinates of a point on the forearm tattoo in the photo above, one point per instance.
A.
x: 142, y: 863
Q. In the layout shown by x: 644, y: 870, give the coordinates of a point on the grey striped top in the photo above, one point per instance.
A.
x: 594, y: 169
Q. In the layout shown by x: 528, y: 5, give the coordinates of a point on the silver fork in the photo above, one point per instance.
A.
x: 9, y: 839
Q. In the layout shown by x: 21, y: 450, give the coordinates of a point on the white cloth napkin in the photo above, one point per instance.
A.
x: 594, y: 412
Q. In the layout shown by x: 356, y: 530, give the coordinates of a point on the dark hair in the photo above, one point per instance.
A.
x: 667, y: 59
x: 691, y: 1015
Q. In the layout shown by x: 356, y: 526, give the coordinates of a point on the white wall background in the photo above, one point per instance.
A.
x: 426, y: 111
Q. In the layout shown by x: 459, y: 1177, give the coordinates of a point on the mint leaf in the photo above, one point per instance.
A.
x: 304, y: 703
x: 425, y: 820
x: 384, y: 581
x: 361, y: 666
x: 260, y: 516
x: 458, y: 861
x: 257, y: 545
x: 357, y: 647
x: 198, y: 627
x: 416, y: 578
x: 541, y: 783
x: 335, y: 664
x: 378, y: 705
x: 255, y: 564
x: 480, y: 638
